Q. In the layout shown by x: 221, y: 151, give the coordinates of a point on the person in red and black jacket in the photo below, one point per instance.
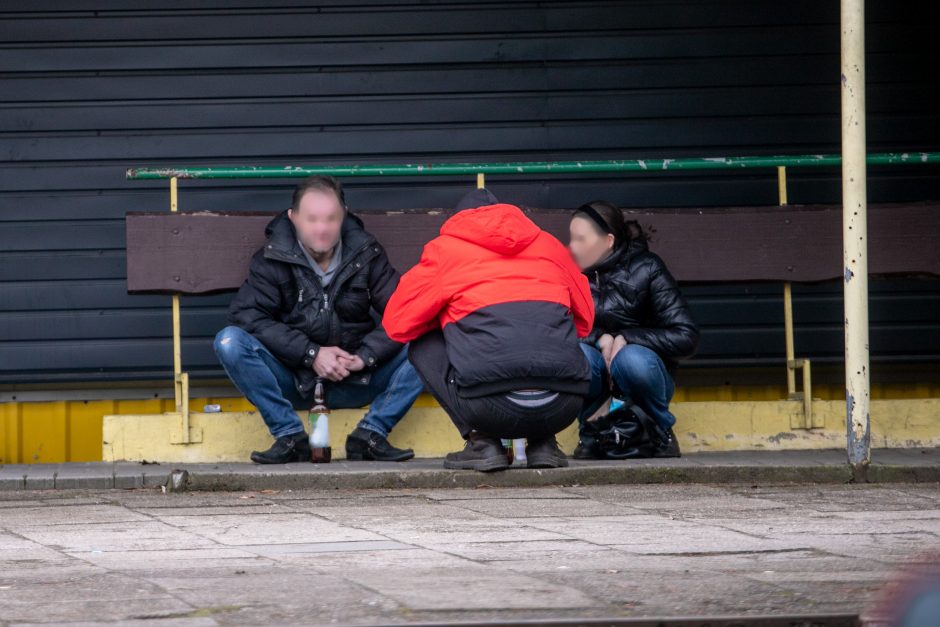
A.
x: 494, y: 312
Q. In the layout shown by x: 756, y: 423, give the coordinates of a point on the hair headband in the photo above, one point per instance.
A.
x: 594, y: 215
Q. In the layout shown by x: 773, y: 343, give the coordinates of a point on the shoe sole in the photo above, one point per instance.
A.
x: 264, y: 462
x: 548, y: 463
x: 492, y: 464
x: 362, y: 457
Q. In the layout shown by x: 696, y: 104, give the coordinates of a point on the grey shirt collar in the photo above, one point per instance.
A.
x: 326, y: 276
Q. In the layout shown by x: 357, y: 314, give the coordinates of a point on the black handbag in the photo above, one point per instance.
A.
x: 626, y: 433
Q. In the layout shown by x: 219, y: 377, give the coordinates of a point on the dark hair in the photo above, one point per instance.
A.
x: 612, y: 218
x: 318, y: 183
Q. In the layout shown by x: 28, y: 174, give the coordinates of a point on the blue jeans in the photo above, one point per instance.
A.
x: 269, y: 385
x: 639, y: 373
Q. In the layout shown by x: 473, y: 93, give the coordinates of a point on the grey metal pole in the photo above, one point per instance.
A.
x: 855, y: 238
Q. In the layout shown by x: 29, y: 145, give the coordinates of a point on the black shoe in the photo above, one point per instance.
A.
x: 587, y: 448
x: 479, y: 453
x: 363, y: 444
x: 545, y: 454
x: 669, y: 448
x: 286, y: 449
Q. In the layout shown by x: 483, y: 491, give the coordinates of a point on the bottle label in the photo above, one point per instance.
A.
x: 320, y: 431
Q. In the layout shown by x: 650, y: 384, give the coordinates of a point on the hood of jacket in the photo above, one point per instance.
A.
x: 502, y: 228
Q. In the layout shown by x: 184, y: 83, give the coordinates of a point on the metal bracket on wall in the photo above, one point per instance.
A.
x: 807, y: 420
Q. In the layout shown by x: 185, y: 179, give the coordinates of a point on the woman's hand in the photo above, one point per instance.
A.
x: 610, y: 346
x: 618, y: 344
x: 605, y: 343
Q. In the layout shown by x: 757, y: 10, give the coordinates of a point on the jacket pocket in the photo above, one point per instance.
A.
x: 353, y: 302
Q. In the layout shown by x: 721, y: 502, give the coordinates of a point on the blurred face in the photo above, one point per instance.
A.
x: 318, y: 218
x: 587, y: 245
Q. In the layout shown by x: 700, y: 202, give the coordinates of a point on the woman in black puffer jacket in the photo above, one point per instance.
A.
x: 642, y: 325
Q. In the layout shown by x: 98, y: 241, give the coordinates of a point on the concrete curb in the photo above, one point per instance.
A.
x: 613, y: 475
x: 888, y: 465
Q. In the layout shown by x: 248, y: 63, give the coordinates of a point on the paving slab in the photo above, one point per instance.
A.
x: 483, y: 553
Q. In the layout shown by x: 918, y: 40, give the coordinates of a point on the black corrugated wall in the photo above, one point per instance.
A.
x: 88, y: 88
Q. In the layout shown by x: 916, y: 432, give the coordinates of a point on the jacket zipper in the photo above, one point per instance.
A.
x: 600, y: 292
x: 334, y: 285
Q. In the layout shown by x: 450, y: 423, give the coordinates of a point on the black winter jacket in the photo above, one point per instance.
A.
x: 635, y: 296
x: 283, y: 304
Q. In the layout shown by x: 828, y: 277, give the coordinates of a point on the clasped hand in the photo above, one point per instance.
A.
x: 335, y: 364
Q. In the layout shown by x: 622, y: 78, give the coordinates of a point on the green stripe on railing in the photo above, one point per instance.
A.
x: 526, y: 167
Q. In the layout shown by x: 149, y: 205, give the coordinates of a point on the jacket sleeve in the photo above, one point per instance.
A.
x: 582, y: 303
x: 255, y: 309
x: 414, y: 308
x: 376, y: 346
x: 579, y: 289
x: 674, y: 334
x: 592, y: 337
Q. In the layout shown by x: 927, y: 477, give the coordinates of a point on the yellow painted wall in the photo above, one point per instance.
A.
x: 702, y: 426
x: 826, y: 392
x: 71, y: 431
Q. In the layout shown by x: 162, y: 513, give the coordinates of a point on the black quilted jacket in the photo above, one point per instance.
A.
x: 636, y: 297
x: 283, y: 304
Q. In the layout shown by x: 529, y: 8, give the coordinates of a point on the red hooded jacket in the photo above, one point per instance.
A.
x: 510, y: 300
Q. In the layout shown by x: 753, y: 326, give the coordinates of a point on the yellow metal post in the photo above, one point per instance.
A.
x: 806, y: 420
x: 787, y: 295
x: 481, y: 180
x: 808, y: 417
x: 788, y: 332
x: 177, y: 351
x: 180, y: 378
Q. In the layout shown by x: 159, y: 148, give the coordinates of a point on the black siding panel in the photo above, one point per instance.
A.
x: 91, y: 87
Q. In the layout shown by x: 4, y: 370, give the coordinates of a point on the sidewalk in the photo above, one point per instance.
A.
x: 888, y: 465
x: 380, y: 557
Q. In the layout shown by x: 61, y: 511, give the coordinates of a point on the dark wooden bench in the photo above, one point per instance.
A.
x: 206, y: 252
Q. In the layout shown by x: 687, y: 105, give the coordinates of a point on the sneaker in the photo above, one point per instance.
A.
x: 479, y: 453
x: 363, y: 444
x: 285, y: 450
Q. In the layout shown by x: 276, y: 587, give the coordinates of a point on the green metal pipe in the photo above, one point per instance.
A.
x: 526, y: 167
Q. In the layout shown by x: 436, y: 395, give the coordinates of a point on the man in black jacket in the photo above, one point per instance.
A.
x: 311, y: 308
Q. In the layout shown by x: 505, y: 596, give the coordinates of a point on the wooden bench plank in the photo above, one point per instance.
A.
x: 200, y: 253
